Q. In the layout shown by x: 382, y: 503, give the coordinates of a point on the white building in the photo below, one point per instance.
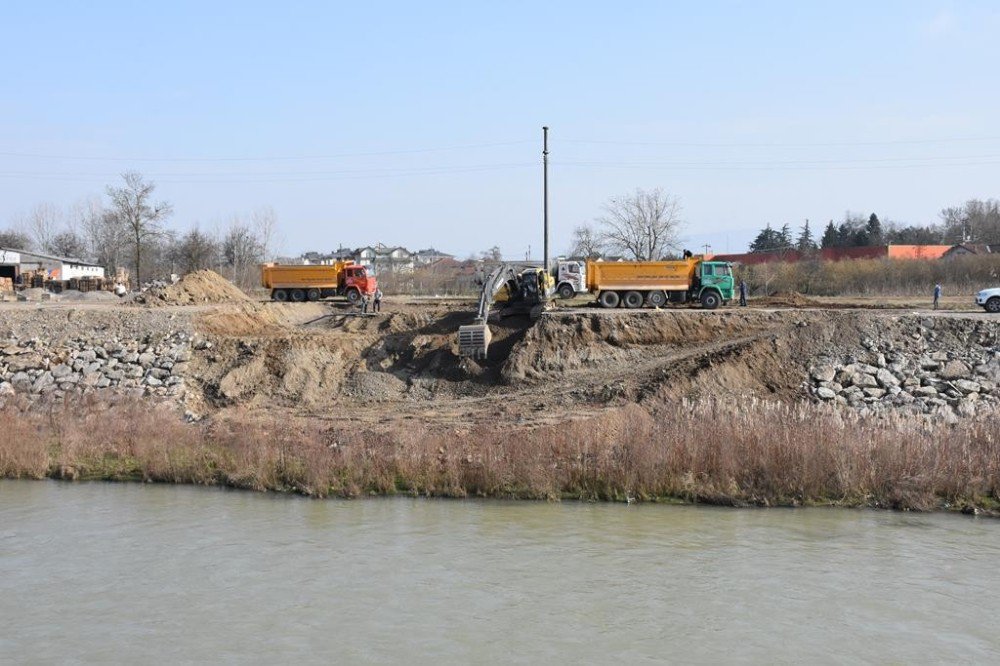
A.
x: 13, y: 262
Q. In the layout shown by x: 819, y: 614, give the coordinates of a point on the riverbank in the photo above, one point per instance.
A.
x: 757, y: 454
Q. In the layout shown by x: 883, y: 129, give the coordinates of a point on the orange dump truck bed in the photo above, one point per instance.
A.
x: 302, y: 277
x: 640, y: 275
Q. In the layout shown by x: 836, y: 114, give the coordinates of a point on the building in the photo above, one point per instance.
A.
x: 967, y: 249
x: 429, y: 256
x: 15, y: 262
x: 839, y: 254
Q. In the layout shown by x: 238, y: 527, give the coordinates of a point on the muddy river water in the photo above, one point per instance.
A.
x: 133, y: 573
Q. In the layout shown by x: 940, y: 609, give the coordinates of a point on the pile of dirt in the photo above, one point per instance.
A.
x: 787, y: 299
x: 194, y: 289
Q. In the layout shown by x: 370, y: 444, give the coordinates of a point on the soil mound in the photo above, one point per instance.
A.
x: 787, y: 299
x: 194, y: 289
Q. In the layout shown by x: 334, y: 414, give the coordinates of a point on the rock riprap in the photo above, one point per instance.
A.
x: 913, y: 378
x: 152, y: 365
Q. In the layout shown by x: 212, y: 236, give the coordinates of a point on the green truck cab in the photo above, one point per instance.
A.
x: 714, y: 284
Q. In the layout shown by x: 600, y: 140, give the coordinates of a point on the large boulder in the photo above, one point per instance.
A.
x: 954, y: 370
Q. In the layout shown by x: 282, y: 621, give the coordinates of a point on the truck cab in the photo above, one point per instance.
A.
x: 356, y: 281
x: 571, y: 278
x: 715, y: 280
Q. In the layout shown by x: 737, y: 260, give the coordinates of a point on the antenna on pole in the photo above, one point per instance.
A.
x: 545, y: 195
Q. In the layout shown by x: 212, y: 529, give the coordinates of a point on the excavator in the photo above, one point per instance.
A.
x: 517, y: 290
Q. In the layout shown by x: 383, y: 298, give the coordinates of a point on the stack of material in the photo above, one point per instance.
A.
x: 6, y: 284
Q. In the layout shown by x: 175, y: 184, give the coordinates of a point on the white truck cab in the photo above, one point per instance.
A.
x: 571, y: 278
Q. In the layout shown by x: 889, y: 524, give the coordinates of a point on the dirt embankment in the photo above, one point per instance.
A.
x: 325, y: 360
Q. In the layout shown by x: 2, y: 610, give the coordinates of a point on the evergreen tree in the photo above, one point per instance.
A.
x: 830, y: 236
x: 785, y: 238
x: 805, y: 242
x: 766, y: 241
x: 874, y: 230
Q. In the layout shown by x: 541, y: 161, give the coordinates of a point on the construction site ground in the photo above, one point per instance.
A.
x: 327, y: 361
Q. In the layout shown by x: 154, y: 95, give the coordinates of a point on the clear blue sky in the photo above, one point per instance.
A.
x: 419, y: 123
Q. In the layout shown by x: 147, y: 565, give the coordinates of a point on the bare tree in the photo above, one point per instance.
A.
x: 134, y: 209
x: 67, y: 243
x: 585, y: 243
x: 14, y: 240
x: 106, y: 237
x: 265, y: 224
x: 644, y: 225
x: 492, y: 255
x: 196, y: 250
x: 975, y: 221
x: 44, y: 222
x: 242, y: 251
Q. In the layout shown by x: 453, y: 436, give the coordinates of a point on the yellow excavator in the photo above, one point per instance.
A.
x: 516, y: 290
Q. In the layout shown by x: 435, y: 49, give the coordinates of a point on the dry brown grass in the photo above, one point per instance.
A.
x: 876, y: 277
x: 758, y: 454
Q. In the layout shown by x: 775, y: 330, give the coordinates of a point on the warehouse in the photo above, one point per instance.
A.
x: 58, y: 269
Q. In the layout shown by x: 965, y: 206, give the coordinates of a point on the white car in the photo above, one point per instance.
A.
x: 989, y: 299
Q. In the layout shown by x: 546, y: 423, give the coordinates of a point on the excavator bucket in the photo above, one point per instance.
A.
x: 474, y: 340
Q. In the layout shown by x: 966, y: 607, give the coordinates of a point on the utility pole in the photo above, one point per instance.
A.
x: 708, y: 248
x: 545, y: 194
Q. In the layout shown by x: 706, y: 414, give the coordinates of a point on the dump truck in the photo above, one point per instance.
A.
x: 288, y: 282
x: 636, y: 284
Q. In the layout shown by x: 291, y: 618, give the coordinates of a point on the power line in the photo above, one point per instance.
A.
x: 413, y: 151
x: 266, y: 177
x: 778, y: 144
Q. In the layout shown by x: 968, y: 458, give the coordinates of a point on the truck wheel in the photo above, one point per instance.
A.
x: 566, y: 291
x: 353, y: 296
x: 710, y: 300
x: 608, y: 299
x: 312, y: 295
x: 298, y: 295
x: 632, y: 299
x: 993, y: 304
x: 279, y: 295
x: 657, y: 299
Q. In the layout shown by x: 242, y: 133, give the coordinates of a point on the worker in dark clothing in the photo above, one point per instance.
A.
x: 364, y: 303
x: 377, y: 303
x: 743, y: 293
x: 937, y: 295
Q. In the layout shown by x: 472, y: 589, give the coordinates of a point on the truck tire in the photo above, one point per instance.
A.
x: 632, y: 299
x: 657, y: 299
x: 608, y: 299
x: 353, y: 296
x: 993, y: 305
x: 710, y: 300
x: 279, y: 295
x: 312, y: 295
x: 298, y: 295
x: 566, y: 291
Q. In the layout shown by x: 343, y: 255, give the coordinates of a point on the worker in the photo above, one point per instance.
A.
x: 937, y: 295
x: 377, y: 306
x: 364, y: 303
x: 743, y: 293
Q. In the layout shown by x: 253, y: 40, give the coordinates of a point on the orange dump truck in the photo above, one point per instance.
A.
x: 634, y: 284
x: 311, y: 283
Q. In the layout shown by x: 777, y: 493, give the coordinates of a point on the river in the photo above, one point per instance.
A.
x: 131, y: 573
